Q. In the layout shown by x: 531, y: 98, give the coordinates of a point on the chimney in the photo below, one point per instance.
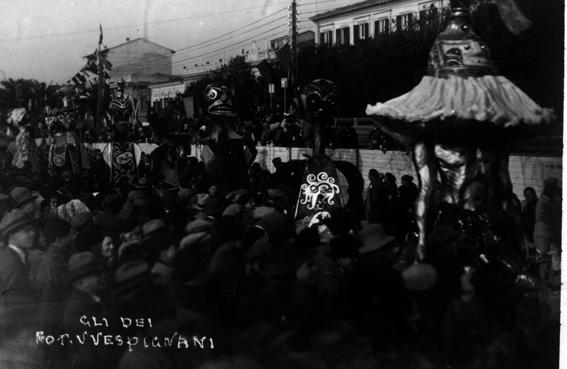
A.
x: 127, y: 39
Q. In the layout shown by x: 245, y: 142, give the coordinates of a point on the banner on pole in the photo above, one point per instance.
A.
x: 271, y: 88
x: 284, y: 82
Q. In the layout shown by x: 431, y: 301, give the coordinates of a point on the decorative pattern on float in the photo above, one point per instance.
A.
x: 320, y: 189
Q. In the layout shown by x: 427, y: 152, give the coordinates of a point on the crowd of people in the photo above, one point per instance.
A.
x: 265, y: 291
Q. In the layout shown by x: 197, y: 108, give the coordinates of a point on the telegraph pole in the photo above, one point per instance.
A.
x: 100, y: 93
x: 293, y: 69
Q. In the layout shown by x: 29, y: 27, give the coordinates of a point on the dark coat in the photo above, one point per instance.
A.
x: 18, y: 304
x: 14, y: 278
x: 52, y: 279
x: 88, y: 355
x: 376, y: 202
x: 528, y: 219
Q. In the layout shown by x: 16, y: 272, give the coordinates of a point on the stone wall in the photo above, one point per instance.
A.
x: 525, y: 171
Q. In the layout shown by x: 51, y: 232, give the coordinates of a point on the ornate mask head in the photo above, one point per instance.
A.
x: 320, y: 97
x: 459, y: 51
x: 219, y: 100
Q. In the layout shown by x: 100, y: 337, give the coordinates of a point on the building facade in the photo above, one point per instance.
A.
x: 140, y: 63
x: 140, y: 60
x: 304, y: 39
x: 346, y: 25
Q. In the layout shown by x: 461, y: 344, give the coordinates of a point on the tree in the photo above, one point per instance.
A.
x: 28, y: 93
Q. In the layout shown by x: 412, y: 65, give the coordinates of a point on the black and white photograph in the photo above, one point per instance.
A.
x: 281, y: 184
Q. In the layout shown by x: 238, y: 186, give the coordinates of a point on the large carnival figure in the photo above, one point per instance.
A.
x: 227, y: 153
x: 169, y: 161
x: 64, y: 151
x: 122, y: 156
x: 317, y: 177
x: 459, y: 122
x: 319, y: 191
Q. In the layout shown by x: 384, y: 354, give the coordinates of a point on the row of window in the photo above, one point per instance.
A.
x: 362, y: 31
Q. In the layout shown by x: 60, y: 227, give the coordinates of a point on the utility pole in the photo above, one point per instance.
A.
x: 99, y: 110
x: 293, y: 69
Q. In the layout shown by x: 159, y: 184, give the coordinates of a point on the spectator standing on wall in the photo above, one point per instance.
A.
x: 528, y: 214
x: 391, y: 187
x: 376, y: 197
x: 547, y: 230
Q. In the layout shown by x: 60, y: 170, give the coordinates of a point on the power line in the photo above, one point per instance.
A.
x: 202, y: 45
x: 226, y: 48
x: 236, y: 30
x: 128, y: 26
x: 239, y: 42
x: 207, y: 43
x: 212, y: 52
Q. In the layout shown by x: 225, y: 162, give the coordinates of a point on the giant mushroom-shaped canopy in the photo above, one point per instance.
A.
x: 463, y: 99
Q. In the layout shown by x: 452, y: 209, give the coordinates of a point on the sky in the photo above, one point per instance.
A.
x: 46, y: 39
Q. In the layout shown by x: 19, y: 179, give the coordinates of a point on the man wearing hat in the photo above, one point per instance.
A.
x: 379, y: 249
x: 85, y: 272
x: 20, y: 236
x: 24, y: 200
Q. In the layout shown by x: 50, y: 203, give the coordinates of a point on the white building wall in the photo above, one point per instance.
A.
x: 139, y: 56
x: 370, y: 15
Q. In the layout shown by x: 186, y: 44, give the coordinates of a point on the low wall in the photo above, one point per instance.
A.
x: 525, y: 170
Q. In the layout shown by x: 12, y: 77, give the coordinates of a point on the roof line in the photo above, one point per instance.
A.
x: 127, y: 42
x: 348, y: 8
x: 140, y: 38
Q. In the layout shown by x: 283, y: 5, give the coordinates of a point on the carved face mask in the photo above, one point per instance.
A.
x: 320, y: 98
x: 458, y: 50
x: 219, y: 101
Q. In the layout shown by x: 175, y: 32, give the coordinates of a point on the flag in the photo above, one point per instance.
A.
x: 79, y: 80
x: 100, y: 38
x: 91, y: 67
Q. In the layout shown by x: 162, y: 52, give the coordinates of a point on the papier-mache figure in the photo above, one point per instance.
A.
x: 459, y: 121
x: 319, y: 192
x: 227, y: 152
x: 64, y: 151
x: 121, y: 155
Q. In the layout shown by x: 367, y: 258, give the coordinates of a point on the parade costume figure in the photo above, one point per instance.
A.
x: 227, y: 152
x: 319, y: 191
x: 459, y: 121
x: 169, y: 162
x: 121, y: 155
x: 71, y: 109
x: 25, y: 148
x: 64, y: 151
